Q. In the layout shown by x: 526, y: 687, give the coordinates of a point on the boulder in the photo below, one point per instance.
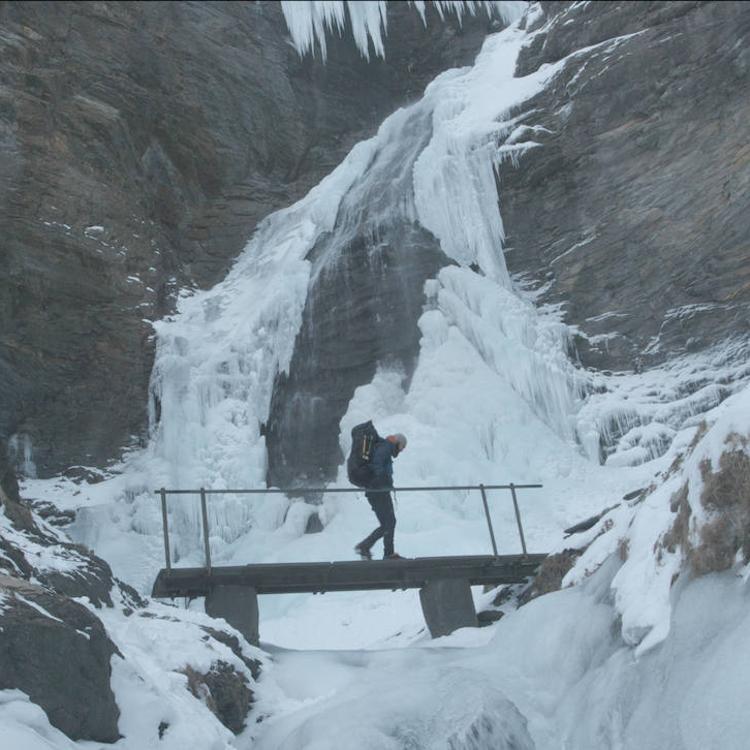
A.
x: 58, y: 653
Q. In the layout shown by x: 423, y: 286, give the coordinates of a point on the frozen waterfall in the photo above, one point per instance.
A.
x: 430, y: 164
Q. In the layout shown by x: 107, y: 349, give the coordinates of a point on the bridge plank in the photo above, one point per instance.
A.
x: 356, y: 575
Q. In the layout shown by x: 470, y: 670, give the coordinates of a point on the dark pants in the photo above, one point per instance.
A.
x: 382, y: 505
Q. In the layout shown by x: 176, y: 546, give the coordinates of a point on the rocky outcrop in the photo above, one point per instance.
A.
x: 52, y: 647
x: 632, y: 210
x: 233, y: 644
x: 56, y: 649
x: 722, y: 538
x: 224, y: 691
x: 140, y: 143
x: 550, y: 575
x: 57, y: 652
x: 76, y: 572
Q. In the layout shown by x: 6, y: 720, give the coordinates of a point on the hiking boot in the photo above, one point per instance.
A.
x: 394, y: 556
x: 363, y: 552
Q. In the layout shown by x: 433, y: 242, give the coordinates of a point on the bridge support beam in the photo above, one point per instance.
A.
x: 447, y: 605
x: 238, y: 605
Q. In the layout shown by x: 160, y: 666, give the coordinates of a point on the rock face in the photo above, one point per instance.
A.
x: 8, y: 481
x: 634, y: 209
x: 53, y: 648
x: 360, y: 313
x: 139, y: 146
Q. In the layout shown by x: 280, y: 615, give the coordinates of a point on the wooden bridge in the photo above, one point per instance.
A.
x: 231, y: 592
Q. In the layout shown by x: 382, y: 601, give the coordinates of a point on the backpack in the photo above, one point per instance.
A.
x: 358, y: 468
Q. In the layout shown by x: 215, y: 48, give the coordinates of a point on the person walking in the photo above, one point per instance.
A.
x: 378, y: 494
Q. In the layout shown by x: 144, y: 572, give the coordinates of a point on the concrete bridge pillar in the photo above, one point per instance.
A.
x: 238, y: 605
x: 447, y: 605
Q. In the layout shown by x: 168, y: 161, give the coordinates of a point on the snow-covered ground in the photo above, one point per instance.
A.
x: 558, y: 660
x: 494, y: 399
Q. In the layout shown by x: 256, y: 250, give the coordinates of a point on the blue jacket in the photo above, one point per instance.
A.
x: 382, y: 463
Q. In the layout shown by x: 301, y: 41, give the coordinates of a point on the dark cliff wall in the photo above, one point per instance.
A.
x: 635, y: 208
x: 140, y: 143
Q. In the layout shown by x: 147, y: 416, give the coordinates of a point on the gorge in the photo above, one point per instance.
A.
x: 516, y: 232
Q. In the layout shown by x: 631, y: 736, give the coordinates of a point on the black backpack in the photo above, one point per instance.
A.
x: 358, y: 468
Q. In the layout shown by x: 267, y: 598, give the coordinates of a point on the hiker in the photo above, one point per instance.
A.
x: 381, y: 456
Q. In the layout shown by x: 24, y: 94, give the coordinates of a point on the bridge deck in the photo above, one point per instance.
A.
x: 300, y: 577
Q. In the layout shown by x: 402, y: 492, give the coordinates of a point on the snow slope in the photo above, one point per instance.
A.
x: 559, y: 663
x: 157, y: 647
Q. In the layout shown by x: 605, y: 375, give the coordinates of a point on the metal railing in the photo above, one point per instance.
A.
x: 483, y: 488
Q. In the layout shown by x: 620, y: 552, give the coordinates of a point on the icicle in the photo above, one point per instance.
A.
x: 309, y: 21
x: 21, y: 455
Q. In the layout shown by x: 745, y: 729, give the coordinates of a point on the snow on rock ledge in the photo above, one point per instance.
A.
x: 695, y: 520
x: 82, y: 656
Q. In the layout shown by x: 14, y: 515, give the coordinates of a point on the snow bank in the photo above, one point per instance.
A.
x: 433, y: 707
x: 156, y: 648
x: 157, y: 709
x: 158, y: 645
x: 687, y: 693
x: 25, y: 726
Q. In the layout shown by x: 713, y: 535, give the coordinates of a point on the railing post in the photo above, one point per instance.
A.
x: 165, y: 526
x: 518, y: 516
x: 204, y: 513
x: 489, y: 520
